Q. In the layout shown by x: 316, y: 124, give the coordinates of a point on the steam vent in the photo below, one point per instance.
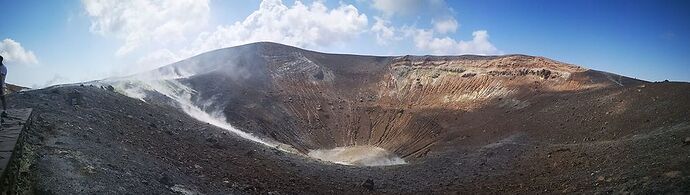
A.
x: 266, y: 118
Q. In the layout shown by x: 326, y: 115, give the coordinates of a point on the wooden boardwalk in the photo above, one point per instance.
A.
x: 10, y: 132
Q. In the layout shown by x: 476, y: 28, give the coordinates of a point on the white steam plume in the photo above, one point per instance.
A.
x: 182, y: 96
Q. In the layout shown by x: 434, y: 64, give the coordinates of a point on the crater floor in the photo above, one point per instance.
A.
x: 357, y: 155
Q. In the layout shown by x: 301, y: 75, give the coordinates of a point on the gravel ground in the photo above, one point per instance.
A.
x: 110, y: 143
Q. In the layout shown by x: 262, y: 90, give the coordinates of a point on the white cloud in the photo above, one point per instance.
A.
x: 169, y: 31
x: 307, y: 26
x: 480, y: 44
x: 436, y: 40
x: 384, y: 31
x: 13, y: 52
x: 392, y: 7
x: 139, y: 22
x: 449, y: 25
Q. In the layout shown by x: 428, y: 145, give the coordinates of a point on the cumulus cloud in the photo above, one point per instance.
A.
x: 426, y: 40
x: 392, y: 7
x: 449, y: 25
x: 310, y: 26
x: 384, y: 31
x: 13, y: 52
x: 437, y: 39
x: 169, y: 31
x: 139, y: 22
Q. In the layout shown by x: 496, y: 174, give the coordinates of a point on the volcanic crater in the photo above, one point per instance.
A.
x: 369, y: 110
x: 445, y: 123
x: 406, y: 105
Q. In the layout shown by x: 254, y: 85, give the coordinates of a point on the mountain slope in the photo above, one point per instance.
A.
x: 460, y: 124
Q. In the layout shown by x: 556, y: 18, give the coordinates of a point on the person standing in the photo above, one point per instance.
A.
x: 3, y: 74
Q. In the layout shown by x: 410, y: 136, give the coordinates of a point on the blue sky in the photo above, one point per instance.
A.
x: 52, y: 42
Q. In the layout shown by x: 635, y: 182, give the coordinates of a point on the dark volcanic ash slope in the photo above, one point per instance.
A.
x: 464, y: 124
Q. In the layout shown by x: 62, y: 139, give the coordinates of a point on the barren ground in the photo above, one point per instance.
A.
x: 505, y: 129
